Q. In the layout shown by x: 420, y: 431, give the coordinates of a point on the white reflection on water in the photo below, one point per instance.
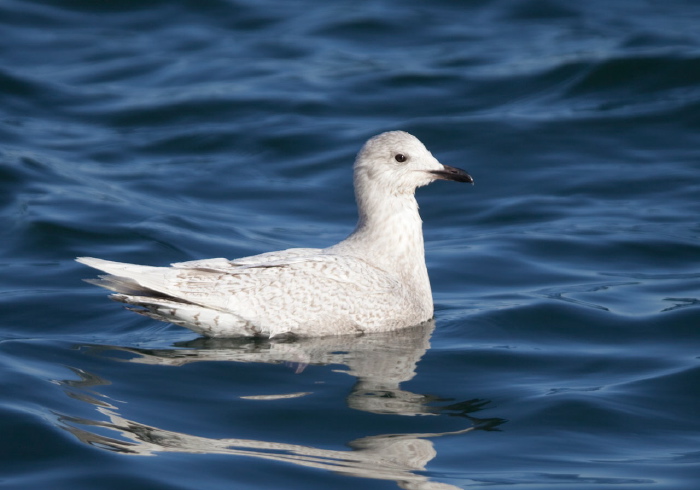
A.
x: 380, y: 362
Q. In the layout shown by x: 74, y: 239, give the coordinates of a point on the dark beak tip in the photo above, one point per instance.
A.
x: 455, y: 174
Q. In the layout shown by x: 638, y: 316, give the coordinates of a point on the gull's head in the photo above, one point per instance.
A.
x: 398, y: 162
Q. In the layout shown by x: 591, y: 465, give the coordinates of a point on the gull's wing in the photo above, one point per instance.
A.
x: 222, y: 264
x: 296, y: 293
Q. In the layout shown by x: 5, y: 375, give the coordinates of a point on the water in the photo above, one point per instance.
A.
x: 565, y: 350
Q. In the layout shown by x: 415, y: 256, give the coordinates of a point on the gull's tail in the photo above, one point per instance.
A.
x: 123, y: 280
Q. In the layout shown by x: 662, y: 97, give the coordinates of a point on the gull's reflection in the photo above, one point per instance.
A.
x: 385, y: 457
x: 380, y: 362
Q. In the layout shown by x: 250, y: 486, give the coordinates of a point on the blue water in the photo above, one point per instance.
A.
x: 565, y: 351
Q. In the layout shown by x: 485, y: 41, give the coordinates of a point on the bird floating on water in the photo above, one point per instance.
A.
x: 373, y: 281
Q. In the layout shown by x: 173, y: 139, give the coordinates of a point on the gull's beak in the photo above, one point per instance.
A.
x: 453, y: 173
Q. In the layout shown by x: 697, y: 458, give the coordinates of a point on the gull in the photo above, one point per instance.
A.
x: 373, y: 281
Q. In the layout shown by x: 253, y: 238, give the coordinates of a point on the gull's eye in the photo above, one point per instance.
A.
x: 400, y: 157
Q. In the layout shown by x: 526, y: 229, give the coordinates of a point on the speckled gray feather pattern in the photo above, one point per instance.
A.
x: 375, y: 280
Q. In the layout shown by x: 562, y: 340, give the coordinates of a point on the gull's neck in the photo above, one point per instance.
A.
x: 389, y: 236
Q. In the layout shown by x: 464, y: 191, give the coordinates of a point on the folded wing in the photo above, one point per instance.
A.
x: 300, y: 290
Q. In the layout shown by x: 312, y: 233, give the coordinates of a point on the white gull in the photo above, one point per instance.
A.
x: 375, y: 280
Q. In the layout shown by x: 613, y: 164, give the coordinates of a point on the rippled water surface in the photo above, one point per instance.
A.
x: 565, y: 351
